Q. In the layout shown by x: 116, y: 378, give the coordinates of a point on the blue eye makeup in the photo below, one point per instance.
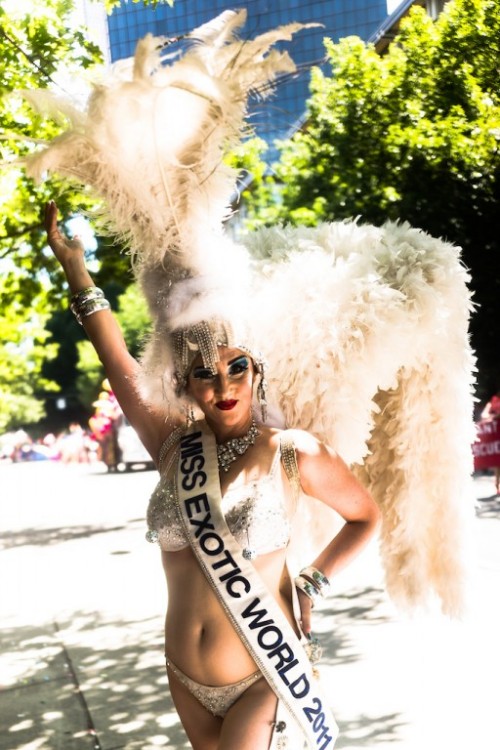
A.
x: 235, y: 368
x: 238, y: 366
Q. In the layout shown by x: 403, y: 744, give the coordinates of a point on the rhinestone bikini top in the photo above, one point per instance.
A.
x: 259, y: 514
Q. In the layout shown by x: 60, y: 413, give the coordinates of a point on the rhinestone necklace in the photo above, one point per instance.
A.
x: 236, y: 447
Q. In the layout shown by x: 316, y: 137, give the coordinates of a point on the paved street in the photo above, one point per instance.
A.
x: 82, y: 600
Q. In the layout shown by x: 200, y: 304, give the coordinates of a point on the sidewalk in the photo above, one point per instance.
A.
x: 82, y: 600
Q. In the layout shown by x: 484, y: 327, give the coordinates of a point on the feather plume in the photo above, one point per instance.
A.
x: 166, y: 128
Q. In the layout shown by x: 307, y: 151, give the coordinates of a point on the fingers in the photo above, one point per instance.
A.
x: 51, y: 219
x: 305, y: 613
x: 63, y: 248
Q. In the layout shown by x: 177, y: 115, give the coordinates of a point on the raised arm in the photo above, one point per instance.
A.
x: 105, y: 334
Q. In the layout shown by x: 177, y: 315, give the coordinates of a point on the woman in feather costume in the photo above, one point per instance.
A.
x: 357, y: 365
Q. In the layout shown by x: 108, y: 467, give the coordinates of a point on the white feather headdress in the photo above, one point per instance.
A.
x: 364, y: 328
x: 152, y: 142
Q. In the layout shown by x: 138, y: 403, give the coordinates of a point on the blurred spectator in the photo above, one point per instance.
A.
x: 103, y: 424
x: 492, y: 408
x: 491, y: 414
x: 72, y: 445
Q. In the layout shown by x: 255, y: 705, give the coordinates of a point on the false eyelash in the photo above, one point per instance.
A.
x: 242, y: 362
x: 202, y: 374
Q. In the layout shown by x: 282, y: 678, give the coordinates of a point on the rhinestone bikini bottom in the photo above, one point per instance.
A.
x: 218, y: 700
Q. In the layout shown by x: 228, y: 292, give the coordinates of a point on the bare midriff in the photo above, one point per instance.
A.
x: 199, y: 636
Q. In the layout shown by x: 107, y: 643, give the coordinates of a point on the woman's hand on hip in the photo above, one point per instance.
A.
x: 305, y: 612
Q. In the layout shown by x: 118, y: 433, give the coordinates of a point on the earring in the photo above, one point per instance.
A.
x: 187, y: 408
x: 262, y: 391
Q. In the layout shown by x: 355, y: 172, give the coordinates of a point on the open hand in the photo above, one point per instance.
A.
x: 63, y: 248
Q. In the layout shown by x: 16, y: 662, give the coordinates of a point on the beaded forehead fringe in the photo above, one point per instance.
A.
x: 205, y: 338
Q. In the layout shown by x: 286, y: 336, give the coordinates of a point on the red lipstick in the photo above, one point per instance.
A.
x: 226, y: 405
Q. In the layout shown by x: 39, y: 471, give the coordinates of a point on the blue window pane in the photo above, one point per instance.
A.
x: 273, y: 117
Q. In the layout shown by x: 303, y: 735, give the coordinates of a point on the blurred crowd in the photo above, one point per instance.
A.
x: 98, y: 441
x: 73, y: 445
x: 110, y: 439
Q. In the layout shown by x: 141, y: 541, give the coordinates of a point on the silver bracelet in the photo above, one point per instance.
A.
x: 92, y: 307
x: 88, y: 293
x: 317, y: 578
x: 308, y: 588
x: 87, y: 302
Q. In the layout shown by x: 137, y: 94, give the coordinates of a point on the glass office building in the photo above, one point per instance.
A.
x: 278, y: 116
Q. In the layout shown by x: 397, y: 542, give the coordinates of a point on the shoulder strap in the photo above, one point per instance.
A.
x: 289, y: 461
x: 169, y: 443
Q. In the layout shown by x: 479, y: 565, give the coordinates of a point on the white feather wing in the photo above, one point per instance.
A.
x: 365, y: 331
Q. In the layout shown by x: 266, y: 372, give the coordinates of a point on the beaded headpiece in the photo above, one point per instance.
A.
x: 204, y: 338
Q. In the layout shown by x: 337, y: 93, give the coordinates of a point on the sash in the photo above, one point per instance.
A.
x: 253, y: 611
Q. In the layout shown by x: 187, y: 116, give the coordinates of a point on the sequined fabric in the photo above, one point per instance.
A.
x: 163, y: 519
x: 258, y: 514
x: 218, y: 700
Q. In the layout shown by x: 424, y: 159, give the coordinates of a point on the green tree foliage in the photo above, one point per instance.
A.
x: 90, y: 373
x: 134, y: 319
x: 255, y: 183
x: 23, y: 350
x: 35, y: 47
x: 135, y: 322
x: 413, y: 135
x: 37, y: 41
x: 42, y: 48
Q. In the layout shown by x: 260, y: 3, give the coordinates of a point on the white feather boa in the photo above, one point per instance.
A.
x: 364, y: 328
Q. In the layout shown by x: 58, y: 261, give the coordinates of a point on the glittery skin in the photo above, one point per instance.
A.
x: 218, y: 700
x: 258, y: 514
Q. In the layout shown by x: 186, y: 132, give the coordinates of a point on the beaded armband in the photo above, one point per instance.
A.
x: 289, y: 460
